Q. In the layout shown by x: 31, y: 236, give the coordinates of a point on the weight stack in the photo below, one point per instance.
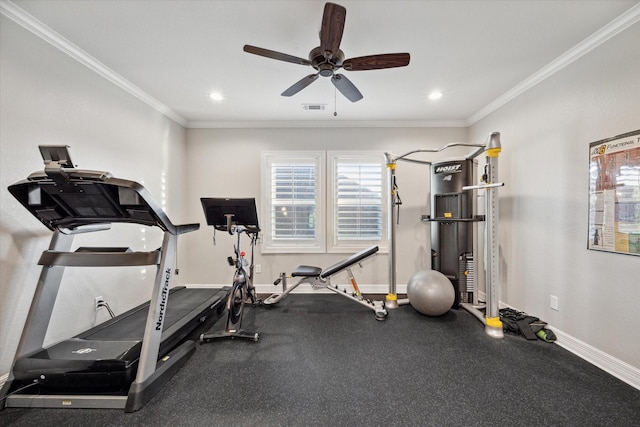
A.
x: 452, y: 219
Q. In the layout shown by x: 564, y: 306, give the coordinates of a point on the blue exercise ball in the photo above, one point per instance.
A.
x: 430, y: 292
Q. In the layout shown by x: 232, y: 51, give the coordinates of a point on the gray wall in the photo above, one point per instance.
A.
x: 544, y: 206
x: 49, y: 98
x: 226, y: 163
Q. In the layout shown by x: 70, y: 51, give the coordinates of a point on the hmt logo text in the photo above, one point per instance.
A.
x: 449, y: 168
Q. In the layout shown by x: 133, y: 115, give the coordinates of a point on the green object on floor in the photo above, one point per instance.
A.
x: 546, y: 335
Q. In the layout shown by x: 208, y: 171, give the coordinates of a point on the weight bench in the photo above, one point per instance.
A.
x: 319, y: 278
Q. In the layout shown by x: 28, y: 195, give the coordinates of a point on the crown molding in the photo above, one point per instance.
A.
x: 28, y: 22
x: 610, y: 30
x: 22, y: 18
x: 211, y: 124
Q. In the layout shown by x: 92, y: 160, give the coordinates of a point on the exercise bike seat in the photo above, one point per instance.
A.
x: 306, y: 271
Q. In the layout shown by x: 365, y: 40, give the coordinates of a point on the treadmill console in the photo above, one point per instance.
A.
x: 63, y: 197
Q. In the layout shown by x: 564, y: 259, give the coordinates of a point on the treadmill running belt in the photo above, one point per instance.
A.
x: 105, y: 358
x: 182, y: 301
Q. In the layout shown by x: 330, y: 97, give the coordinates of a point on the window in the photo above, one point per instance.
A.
x: 295, y: 215
x: 357, y: 200
x: 293, y: 212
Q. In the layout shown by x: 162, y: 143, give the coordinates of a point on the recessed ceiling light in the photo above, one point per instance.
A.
x: 436, y: 94
x: 216, y: 96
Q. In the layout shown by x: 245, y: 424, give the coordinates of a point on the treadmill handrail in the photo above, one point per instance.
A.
x: 85, y: 174
x: 187, y: 228
x: 99, y: 259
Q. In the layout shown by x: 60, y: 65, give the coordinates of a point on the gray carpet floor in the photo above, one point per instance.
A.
x: 324, y: 361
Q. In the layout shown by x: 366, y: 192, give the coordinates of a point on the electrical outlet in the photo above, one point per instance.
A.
x: 258, y: 268
x: 98, y: 301
x: 553, y: 302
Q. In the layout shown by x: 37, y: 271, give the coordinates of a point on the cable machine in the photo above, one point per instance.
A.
x: 454, y: 231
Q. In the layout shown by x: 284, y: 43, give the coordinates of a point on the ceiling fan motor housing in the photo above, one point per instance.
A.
x: 325, y: 66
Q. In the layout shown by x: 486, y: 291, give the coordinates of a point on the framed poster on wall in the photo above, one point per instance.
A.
x: 614, y: 194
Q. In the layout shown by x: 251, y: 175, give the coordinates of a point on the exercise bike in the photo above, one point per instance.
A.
x: 240, y: 217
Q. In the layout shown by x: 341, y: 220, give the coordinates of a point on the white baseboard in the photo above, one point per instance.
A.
x: 307, y: 289
x: 616, y: 367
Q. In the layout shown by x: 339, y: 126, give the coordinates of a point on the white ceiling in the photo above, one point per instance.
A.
x: 172, y: 54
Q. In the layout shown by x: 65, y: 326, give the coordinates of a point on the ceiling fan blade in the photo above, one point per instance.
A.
x: 275, y: 55
x: 376, y: 62
x: 332, y: 27
x: 301, y: 84
x: 347, y: 88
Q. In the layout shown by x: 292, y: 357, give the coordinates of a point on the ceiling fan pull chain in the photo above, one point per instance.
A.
x: 335, y: 113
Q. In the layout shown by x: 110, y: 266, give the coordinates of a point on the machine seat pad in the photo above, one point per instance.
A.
x: 306, y: 271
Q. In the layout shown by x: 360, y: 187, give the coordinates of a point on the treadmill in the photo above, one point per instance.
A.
x: 124, y: 361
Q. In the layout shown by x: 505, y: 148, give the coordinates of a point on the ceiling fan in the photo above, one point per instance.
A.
x: 327, y: 58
